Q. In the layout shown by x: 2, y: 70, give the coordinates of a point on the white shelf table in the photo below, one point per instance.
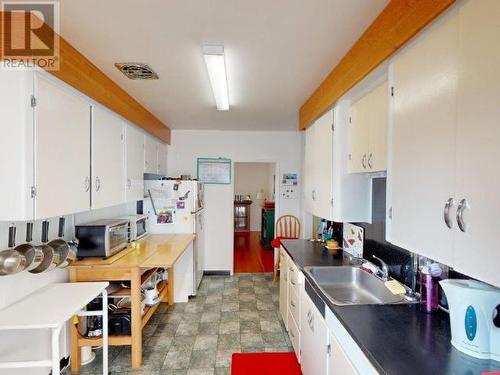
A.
x: 60, y: 302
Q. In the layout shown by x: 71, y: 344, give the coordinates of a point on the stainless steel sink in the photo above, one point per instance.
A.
x: 347, y: 285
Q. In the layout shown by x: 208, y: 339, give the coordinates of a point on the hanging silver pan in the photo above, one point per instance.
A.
x: 50, y: 258
x: 33, y: 255
x: 11, y: 261
x: 66, y: 251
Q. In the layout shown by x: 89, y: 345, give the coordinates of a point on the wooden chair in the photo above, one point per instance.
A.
x: 287, y: 227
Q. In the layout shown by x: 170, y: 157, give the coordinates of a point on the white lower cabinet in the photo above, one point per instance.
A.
x: 313, y: 339
x: 339, y: 363
x: 291, y: 290
x: 283, y: 265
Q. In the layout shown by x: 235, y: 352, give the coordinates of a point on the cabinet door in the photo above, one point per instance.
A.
x: 150, y: 154
x: 309, y: 168
x: 16, y: 145
x: 62, y: 150
x: 422, y: 166
x: 284, y: 286
x: 162, y: 159
x: 478, y: 136
x: 360, y: 135
x: 323, y: 148
x: 135, y: 163
x: 378, y: 113
x: 313, y: 339
x: 107, y: 159
x: 339, y: 363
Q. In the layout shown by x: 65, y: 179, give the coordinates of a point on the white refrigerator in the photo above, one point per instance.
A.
x: 176, y: 206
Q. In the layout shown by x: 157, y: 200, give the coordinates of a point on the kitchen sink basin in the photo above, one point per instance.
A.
x: 347, y: 285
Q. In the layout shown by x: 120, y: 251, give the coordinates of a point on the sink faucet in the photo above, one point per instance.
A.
x: 384, y: 270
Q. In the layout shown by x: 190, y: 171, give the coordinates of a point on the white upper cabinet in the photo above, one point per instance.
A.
x: 309, y: 169
x: 330, y: 192
x: 150, y: 154
x: 162, y: 158
x: 478, y: 142
x: 62, y: 150
x: 369, y: 119
x: 107, y: 159
x: 421, y: 171
x: 323, y: 160
x: 16, y: 146
x: 134, y: 183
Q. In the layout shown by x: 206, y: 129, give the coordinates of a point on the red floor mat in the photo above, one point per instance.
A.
x: 265, y: 364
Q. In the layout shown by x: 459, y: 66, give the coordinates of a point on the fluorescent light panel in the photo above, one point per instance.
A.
x: 216, y: 67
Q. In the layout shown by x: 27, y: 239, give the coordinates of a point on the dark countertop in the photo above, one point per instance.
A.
x: 396, y: 339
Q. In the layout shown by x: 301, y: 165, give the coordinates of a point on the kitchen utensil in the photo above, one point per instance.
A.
x: 474, y: 317
x: 33, y: 255
x: 151, y: 296
x: 60, y: 247
x: 67, y: 250
x: 50, y: 259
x: 11, y: 261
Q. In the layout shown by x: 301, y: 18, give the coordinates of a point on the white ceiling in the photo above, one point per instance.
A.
x: 277, y: 52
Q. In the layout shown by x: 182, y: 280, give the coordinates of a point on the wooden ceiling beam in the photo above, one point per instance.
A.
x: 79, y: 72
x: 395, y: 25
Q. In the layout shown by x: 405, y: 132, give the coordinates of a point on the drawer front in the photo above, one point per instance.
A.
x: 295, y: 277
x: 283, y: 264
x: 294, y: 333
x: 294, y: 305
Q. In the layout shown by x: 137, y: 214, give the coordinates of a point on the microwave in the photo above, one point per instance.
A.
x: 138, y: 226
x: 102, y: 238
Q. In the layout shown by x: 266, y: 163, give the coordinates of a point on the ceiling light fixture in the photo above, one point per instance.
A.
x: 216, y: 67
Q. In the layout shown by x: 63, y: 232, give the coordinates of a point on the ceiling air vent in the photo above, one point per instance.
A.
x: 137, y: 70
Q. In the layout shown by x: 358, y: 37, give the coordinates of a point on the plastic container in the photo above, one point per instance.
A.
x: 429, y: 292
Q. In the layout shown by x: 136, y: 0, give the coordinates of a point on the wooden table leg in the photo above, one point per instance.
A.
x: 76, y: 359
x: 135, y: 284
x: 170, y: 286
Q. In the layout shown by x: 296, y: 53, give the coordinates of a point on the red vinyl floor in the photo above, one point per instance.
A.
x: 250, y: 255
x: 265, y: 364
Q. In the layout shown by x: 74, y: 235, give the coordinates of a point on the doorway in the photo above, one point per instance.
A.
x: 254, y: 195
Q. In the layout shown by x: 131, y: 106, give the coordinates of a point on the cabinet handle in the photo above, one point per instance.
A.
x: 313, y: 194
x: 292, y: 304
x: 311, y: 323
x: 460, y: 215
x: 363, y: 161
x: 447, y: 207
x: 86, y: 184
x: 291, y: 269
x: 129, y: 183
x: 97, y: 184
x: 370, y: 161
x: 293, y: 283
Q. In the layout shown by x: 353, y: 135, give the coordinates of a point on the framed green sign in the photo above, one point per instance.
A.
x: 214, y: 170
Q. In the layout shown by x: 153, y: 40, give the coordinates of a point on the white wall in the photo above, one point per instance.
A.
x: 249, y: 178
x: 14, y: 345
x: 283, y: 148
